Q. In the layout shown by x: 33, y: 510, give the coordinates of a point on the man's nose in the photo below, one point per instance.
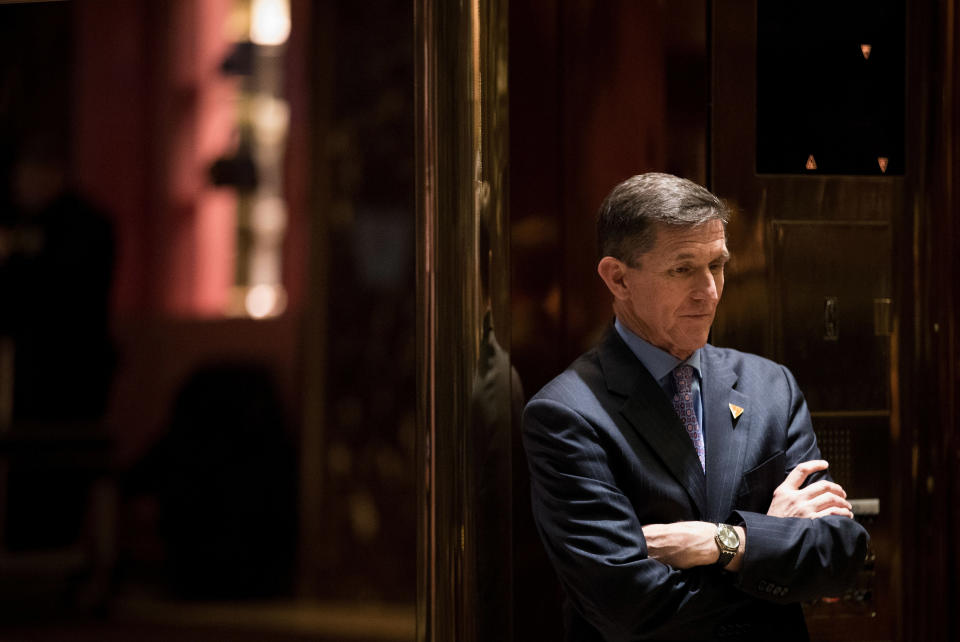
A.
x: 705, y: 288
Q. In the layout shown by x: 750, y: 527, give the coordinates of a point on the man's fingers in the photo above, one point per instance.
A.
x: 823, y: 486
x: 827, y: 500
x: 797, y: 476
x: 833, y: 510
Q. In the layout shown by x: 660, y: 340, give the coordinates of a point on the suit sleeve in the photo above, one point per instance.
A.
x: 794, y: 559
x: 594, y: 538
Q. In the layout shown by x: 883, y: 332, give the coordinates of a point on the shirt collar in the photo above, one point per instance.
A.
x: 658, y: 363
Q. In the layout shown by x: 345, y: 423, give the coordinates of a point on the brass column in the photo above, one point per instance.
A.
x: 465, y: 382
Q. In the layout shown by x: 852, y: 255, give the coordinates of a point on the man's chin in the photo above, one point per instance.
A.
x: 693, y: 343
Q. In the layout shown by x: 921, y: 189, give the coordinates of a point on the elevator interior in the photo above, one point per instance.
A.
x: 816, y: 122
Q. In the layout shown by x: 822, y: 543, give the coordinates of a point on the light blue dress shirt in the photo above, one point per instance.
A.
x: 660, y: 364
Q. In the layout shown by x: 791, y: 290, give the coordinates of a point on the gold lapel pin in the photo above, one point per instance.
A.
x: 735, y: 410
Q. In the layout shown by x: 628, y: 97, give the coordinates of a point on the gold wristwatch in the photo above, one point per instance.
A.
x: 728, y: 541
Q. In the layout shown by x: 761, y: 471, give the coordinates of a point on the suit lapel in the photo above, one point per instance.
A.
x: 725, y: 436
x: 650, y: 413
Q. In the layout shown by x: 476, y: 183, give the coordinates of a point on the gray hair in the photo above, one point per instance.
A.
x: 628, y: 218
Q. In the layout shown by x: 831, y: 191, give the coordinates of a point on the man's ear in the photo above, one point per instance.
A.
x: 613, y: 271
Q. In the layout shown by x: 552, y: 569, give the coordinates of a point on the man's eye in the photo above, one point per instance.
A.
x: 716, y: 267
x: 680, y: 270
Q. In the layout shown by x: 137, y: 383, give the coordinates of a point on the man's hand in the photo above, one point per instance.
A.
x: 687, y: 544
x: 816, y: 500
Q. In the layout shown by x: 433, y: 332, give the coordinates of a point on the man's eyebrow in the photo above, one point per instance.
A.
x: 688, y: 255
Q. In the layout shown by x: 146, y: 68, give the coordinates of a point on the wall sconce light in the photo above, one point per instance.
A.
x: 270, y: 22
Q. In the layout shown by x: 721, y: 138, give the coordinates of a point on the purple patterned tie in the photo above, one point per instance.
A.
x: 683, y: 405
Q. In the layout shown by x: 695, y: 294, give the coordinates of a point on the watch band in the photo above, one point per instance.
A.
x: 725, y: 556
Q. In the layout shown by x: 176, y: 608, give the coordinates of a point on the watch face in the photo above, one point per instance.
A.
x: 728, y: 537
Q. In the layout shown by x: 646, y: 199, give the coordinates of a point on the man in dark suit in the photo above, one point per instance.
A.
x: 678, y: 487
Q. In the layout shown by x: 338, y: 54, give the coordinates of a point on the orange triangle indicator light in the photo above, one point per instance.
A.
x: 865, y: 50
x: 811, y: 162
x: 883, y: 161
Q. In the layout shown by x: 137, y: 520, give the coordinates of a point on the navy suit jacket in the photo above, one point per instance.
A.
x: 608, y: 454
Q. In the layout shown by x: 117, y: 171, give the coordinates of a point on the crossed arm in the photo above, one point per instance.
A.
x: 628, y: 578
x: 689, y: 544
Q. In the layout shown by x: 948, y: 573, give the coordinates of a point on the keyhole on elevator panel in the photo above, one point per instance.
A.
x: 831, y: 327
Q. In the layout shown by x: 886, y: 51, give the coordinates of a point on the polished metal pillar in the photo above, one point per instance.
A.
x: 466, y: 386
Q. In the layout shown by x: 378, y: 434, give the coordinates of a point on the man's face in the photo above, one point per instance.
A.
x: 671, y: 297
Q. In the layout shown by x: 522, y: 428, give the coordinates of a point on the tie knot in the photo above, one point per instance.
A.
x: 683, y: 377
